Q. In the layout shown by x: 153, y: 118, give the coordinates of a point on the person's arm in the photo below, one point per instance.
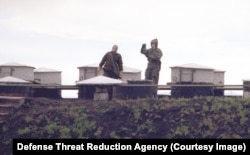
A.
x: 120, y: 64
x: 143, y: 49
x: 104, y: 58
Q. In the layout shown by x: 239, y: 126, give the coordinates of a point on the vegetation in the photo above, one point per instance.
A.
x: 197, y: 117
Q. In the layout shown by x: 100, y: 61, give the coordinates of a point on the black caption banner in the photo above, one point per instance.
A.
x: 80, y: 146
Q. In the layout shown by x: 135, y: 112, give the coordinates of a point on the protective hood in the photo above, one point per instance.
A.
x: 155, y: 41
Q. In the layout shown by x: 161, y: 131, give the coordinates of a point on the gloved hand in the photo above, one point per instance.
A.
x: 121, y: 74
x: 98, y: 69
x: 143, y: 47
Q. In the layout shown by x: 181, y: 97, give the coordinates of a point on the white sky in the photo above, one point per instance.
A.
x: 66, y: 34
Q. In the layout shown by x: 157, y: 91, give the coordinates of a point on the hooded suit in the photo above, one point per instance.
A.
x: 153, y: 55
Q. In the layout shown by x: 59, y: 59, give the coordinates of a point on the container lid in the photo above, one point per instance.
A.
x: 11, y: 79
x: 246, y: 80
x: 140, y: 81
x: 14, y: 64
x: 44, y: 69
x: 99, y: 80
x: 193, y: 66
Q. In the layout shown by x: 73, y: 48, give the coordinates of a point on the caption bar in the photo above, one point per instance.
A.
x: 21, y: 146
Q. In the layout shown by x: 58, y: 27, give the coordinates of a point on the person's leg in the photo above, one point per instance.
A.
x: 108, y: 74
x: 155, y: 76
x: 110, y: 92
x: 155, y: 79
x: 110, y: 89
x: 148, y: 74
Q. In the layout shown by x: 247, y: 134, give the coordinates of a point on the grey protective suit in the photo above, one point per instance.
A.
x: 154, y: 61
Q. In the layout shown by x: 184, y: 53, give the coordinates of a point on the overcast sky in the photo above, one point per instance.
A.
x: 66, y: 34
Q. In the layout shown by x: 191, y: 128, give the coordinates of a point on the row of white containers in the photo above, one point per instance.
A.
x: 190, y: 73
x: 30, y: 74
x: 184, y: 73
x: 51, y: 76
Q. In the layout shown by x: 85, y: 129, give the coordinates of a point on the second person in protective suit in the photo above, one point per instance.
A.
x: 154, y: 55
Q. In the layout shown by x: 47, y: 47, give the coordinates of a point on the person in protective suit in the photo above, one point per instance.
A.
x: 153, y: 55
